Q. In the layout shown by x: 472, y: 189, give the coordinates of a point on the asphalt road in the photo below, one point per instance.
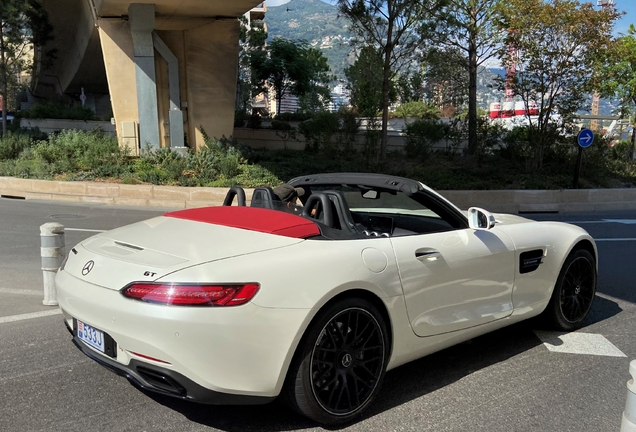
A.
x: 507, y: 381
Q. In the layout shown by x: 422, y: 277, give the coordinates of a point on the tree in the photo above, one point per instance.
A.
x: 252, y: 39
x: 289, y: 67
x: 317, y: 96
x: 410, y: 86
x: 390, y: 27
x: 555, y: 40
x: 365, y: 82
x: 616, y: 77
x: 24, y: 28
x: 446, y: 76
x: 468, y: 31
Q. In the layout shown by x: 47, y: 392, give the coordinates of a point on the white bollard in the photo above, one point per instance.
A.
x: 629, y: 415
x: 52, y: 253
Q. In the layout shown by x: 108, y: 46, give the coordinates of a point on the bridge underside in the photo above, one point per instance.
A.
x: 168, y: 69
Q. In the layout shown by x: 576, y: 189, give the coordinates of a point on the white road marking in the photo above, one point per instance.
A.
x: 21, y: 292
x: 578, y: 343
x: 620, y: 221
x: 27, y: 316
x: 85, y: 230
x: 614, y: 239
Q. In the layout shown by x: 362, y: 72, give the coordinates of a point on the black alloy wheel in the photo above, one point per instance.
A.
x: 347, y: 361
x: 577, y: 289
x: 574, y: 291
x: 340, y: 364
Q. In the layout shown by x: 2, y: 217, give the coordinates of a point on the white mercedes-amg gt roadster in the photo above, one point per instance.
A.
x: 240, y: 304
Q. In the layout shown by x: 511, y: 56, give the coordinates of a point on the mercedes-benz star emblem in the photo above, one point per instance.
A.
x: 88, y: 267
x: 347, y: 360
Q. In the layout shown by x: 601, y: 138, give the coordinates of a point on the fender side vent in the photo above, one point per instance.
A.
x: 529, y: 261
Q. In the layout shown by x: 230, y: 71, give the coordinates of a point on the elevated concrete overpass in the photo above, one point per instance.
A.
x: 168, y: 68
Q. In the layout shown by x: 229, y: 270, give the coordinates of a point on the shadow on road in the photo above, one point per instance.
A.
x: 401, y: 385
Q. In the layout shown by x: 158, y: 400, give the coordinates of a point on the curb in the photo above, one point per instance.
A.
x: 178, y: 197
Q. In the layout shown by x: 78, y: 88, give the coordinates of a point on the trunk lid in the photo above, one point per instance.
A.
x: 151, y: 249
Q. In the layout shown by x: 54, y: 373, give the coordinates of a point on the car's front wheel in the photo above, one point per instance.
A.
x: 573, y: 292
x: 340, y: 363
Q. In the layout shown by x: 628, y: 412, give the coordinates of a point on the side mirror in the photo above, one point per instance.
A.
x: 480, y: 219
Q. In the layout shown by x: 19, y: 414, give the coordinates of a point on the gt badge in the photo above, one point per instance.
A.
x: 88, y: 267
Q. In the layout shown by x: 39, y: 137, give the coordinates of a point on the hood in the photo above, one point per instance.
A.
x: 151, y: 249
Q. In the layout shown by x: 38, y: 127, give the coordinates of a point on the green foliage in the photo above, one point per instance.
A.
x: 330, y: 132
x: 417, y: 109
x: 24, y: 24
x: 289, y: 67
x: 621, y: 150
x: 392, y: 29
x: 553, y: 39
x: 280, y: 125
x: 504, y: 161
x: 59, y: 110
x: 13, y: 144
x: 421, y: 135
x: 365, y: 82
x: 411, y: 86
x: 466, y: 32
x: 295, y: 116
x: 447, y: 74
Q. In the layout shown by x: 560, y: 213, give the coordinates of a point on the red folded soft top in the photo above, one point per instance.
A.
x: 253, y: 219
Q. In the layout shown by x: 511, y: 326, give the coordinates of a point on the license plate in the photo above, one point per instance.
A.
x: 91, y: 336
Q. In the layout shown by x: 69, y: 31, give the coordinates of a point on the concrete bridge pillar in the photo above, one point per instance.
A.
x: 147, y: 98
x: 142, y: 25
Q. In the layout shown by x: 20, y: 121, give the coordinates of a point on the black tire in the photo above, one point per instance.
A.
x: 573, y: 293
x: 340, y: 363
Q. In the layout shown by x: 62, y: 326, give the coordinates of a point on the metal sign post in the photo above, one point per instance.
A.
x: 585, y: 138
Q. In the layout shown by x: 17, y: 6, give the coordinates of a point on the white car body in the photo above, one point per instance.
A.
x: 462, y: 283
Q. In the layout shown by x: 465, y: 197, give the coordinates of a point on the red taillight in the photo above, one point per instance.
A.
x: 192, y: 295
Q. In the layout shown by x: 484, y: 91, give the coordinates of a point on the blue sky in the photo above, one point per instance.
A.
x: 628, y: 6
x: 622, y: 25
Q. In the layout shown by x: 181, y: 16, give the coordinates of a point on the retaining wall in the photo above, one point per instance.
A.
x: 505, y: 201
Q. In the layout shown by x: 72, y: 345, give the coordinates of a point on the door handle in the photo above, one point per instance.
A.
x: 426, y: 253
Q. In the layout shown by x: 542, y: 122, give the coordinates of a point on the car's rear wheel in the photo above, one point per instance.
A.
x: 574, y: 291
x: 340, y: 363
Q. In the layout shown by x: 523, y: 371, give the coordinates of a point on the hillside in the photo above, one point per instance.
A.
x: 317, y: 23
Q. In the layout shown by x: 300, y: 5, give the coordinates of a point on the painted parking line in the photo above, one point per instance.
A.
x: 21, y: 292
x: 578, y: 343
x: 27, y: 316
x: 84, y: 230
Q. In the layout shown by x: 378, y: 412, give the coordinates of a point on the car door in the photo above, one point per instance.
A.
x: 455, y: 279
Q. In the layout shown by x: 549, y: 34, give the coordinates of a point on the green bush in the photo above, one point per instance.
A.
x: 417, y: 109
x: 13, y: 144
x: 295, y: 116
x: 330, y: 132
x: 421, y: 135
x: 620, y: 150
x: 281, y: 125
x: 59, y: 110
